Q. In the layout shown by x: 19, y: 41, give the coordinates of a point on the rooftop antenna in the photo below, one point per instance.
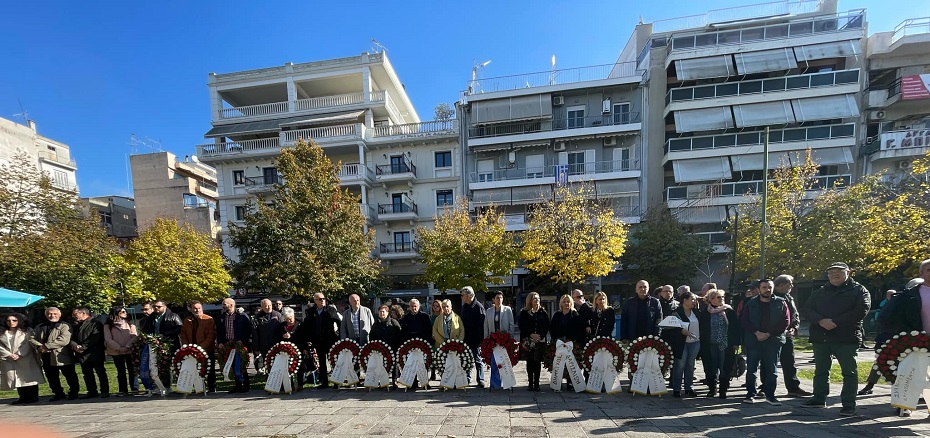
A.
x: 377, y: 47
x: 135, y: 143
x: 552, y: 73
x: 473, y: 87
x: 22, y: 113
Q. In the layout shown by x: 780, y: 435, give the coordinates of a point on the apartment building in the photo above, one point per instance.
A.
x: 525, y: 134
x: 51, y: 156
x: 117, y: 215
x: 166, y: 186
x: 403, y: 170
x: 897, y: 99
x: 717, y: 81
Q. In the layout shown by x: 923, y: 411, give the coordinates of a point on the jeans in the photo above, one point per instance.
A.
x: 788, y: 368
x: 123, y: 364
x: 715, y: 361
x: 684, y: 367
x: 91, y: 368
x: 765, y: 352
x: 479, y: 366
x: 823, y: 358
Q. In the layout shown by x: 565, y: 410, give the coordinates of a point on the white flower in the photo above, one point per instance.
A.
x: 914, y: 333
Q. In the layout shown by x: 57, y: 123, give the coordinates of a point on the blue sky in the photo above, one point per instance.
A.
x: 92, y: 73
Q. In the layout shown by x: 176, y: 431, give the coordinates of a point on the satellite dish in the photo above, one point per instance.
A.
x: 194, y: 159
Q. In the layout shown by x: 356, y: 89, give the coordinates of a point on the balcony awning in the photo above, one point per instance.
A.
x: 765, y: 60
x: 702, y: 68
x: 701, y: 215
x: 745, y: 162
x: 762, y: 114
x: 705, y: 119
x: 702, y: 169
x: 832, y: 156
x: 275, y: 125
x: 825, y: 108
x: 514, y: 109
x: 839, y: 49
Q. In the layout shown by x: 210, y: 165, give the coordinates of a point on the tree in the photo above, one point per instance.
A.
x: 176, y: 263
x: 28, y: 201
x: 659, y: 248
x: 309, y: 236
x: 570, y: 237
x: 463, y: 251
x: 443, y: 112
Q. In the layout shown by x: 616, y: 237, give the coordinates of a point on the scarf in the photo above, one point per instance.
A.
x: 718, y: 326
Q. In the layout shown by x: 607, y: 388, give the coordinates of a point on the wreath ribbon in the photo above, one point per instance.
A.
x: 504, y: 368
x: 603, y: 373
x: 233, y: 365
x: 912, y: 381
x: 648, y: 378
x: 453, y: 375
x: 278, y: 375
x: 414, y: 369
x: 376, y: 376
x: 148, y: 368
x: 344, y: 369
x: 565, y: 361
x: 189, y: 379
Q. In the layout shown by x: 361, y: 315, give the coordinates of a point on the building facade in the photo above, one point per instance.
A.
x: 165, y: 186
x: 50, y: 156
x: 117, y: 215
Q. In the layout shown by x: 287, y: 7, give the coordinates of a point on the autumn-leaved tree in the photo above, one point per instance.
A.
x: 28, y: 201
x: 310, y: 236
x: 571, y: 237
x: 461, y: 250
x: 659, y: 248
x: 176, y: 263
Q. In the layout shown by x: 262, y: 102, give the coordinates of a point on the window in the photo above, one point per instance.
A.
x: 485, y: 170
x: 622, y: 159
x: 621, y: 113
x: 576, y: 117
x: 397, y: 203
x: 240, y: 212
x: 444, y: 198
x: 238, y: 177
x: 270, y: 175
x: 535, y: 165
x: 443, y: 159
x: 581, y: 162
x: 402, y: 242
x: 60, y: 179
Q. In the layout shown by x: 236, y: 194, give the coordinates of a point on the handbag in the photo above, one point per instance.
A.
x: 739, y: 366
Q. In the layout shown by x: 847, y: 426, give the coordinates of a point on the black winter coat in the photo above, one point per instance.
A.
x: 846, y: 304
x: 604, y: 322
x: 902, y: 313
x: 568, y: 326
x: 416, y: 325
x: 473, y: 319
x: 89, y: 335
x: 170, y: 327
x: 388, y: 331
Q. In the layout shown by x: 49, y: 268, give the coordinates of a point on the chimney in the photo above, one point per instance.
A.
x: 32, y: 125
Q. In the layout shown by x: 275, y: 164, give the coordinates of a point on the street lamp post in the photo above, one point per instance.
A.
x: 765, y: 192
x: 735, y: 219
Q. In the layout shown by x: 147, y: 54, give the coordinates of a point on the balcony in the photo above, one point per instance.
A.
x: 434, y: 128
x: 610, y: 122
x: 799, y: 28
x: 54, y: 157
x: 516, y: 222
x: 259, y: 184
x: 325, y: 134
x: 368, y: 212
x: 599, y: 170
x: 902, y: 144
x: 745, y: 188
x: 238, y: 147
x: 404, y: 171
x: 757, y: 138
x: 607, y: 73
x: 402, y: 210
x: 717, y: 239
x: 911, y: 26
x: 762, y: 86
x: 355, y: 174
x: 335, y: 102
x: 399, y: 250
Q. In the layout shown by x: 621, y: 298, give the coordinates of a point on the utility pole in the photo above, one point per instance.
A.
x: 765, y: 192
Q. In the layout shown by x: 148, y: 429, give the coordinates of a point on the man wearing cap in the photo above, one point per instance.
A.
x: 836, y: 311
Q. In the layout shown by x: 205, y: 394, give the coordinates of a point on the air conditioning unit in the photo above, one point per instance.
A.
x: 879, y: 115
x: 559, y: 146
x: 558, y: 100
x: 904, y: 164
x: 610, y: 141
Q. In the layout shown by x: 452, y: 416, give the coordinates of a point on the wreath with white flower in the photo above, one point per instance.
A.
x: 415, y: 344
x: 650, y: 342
x: 896, y: 349
x: 195, y: 351
x: 381, y: 347
x: 284, y: 347
x: 466, y: 358
x: 602, y: 343
x: 345, y: 344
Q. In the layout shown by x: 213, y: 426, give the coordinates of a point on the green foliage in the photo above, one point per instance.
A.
x: 461, y: 251
x: 310, y: 238
x: 175, y: 263
x: 660, y: 248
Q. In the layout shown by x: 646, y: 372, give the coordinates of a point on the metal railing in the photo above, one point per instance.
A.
x: 263, y: 109
x: 503, y: 128
x: 744, y: 188
x: 422, y: 129
x: 267, y: 180
x: 396, y: 168
x: 911, y: 26
x: 758, y: 86
x: 737, y: 13
x: 556, y: 77
x: 398, y: 247
x: 854, y: 19
x: 406, y: 206
x: 757, y: 138
x: 549, y: 171
x: 715, y: 237
x: 352, y: 130
x: 208, y: 149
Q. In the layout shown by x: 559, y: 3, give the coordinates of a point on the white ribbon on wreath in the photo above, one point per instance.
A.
x: 414, y: 368
x: 278, y: 375
x: 648, y: 378
x: 189, y: 379
x: 502, y: 358
x: 376, y: 376
x: 565, y: 361
x: 153, y: 370
x: 603, y: 373
x: 912, y: 380
x: 227, y: 368
x: 453, y: 376
x: 344, y: 370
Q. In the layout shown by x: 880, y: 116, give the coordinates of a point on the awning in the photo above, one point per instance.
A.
x: 704, y: 119
x: 702, y: 169
x: 762, y: 114
x: 701, y: 215
x: 839, y: 49
x: 275, y: 125
x: 765, y: 60
x: 825, y: 108
x: 701, y: 68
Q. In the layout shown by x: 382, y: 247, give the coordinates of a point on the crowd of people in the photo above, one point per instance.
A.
x: 761, y: 327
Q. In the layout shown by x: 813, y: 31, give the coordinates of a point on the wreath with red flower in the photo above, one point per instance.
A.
x: 499, y: 339
x: 160, y: 346
x: 284, y: 347
x: 380, y: 347
x: 345, y: 344
x: 466, y: 358
x: 896, y: 349
x: 195, y: 351
x: 223, y: 351
x: 414, y: 344
x: 654, y: 342
x: 602, y: 343
x: 550, y: 355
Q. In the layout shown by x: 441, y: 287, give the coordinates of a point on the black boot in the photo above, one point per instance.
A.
x: 712, y: 390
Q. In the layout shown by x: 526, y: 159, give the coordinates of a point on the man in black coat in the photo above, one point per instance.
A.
x: 640, y: 315
x: 473, y: 320
x: 90, y: 352
x: 415, y: 324
x: 585, y: 312
x: 321, y: 327
x: 235, y: 326
x: 265, y: 327
x: 783, y: 285
x: 164, y: 322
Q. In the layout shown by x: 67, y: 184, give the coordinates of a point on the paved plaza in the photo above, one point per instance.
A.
x: 465, y: 413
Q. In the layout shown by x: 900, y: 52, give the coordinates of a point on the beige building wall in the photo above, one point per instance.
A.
x: 165, y: 186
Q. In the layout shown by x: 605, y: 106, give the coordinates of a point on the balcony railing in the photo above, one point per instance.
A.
x: 309, y: 104
x: 353, y: 171
x: 911, y: 26
x: 253, y: 110
x: 396, y: 168
x: 263, y: 181
x: 53, y: 156
x: 406, y: 206
x: 549, y: 171
x: 209, y: 149
x: 400, y: 247
x: 353, y: 130
x: 854, y: 19
x: 757, y: 138
x: 743, y: 188
x: 715, y: 237
x: 557, y: 77
x: 422, y: 129
x: 737, y: 13
x: 770, y: 85
x: 545, y: 125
